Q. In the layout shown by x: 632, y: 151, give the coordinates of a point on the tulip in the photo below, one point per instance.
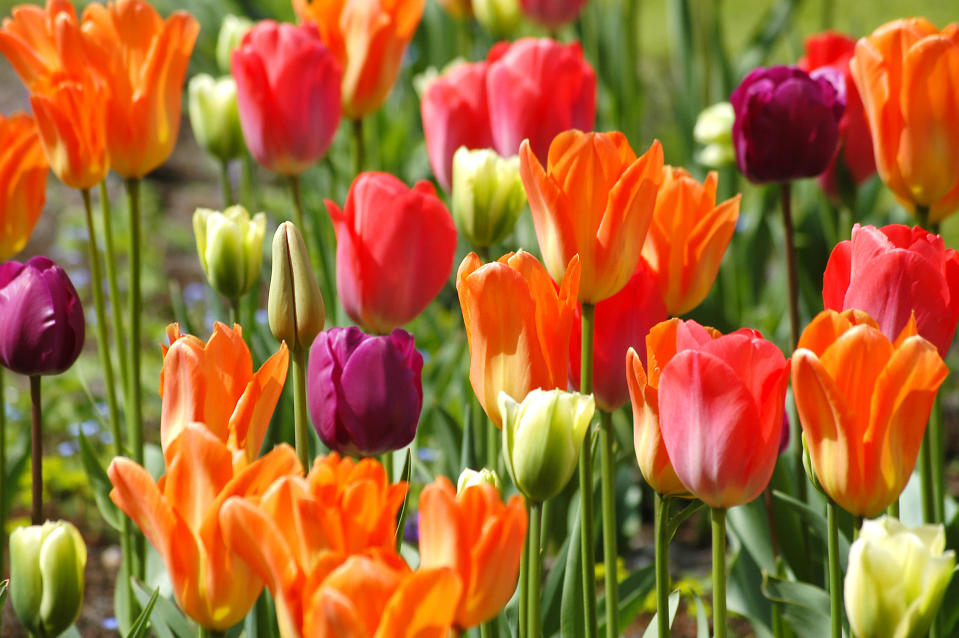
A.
x: 23, y: 180
x: 215, y: 116
x: 43, y: 327
x: 537, y: 89
x: 595, y: 199
x: 455, y: 113
x: 364, y: 393
x: 457, y: 9
x: 863, y: 402
x: 526, y: 347
x: 896, y: 579
x: 368, y: 37
x: 787, y: 122
x: 213, y: 383
x: 39, y: 42
x: 688, y: 237
x: 500, y: 18
x: 179, y: 515
x: 288, y: 92
x: 719, y: 403
x: 143, y: 59
x: 621, y: 323
x: 906, y: 73
x: 230, y: 245
x: 479, y: 537
x: 488, y: 195
x: 714, y: 129
x: 895, y: 272
x: 854, y: 163
x: 468, y: 478
x: 46, y: 575
x: 232, y: 31
x: 295, y: 305
x: 394, y: 250
x: 552, y: 14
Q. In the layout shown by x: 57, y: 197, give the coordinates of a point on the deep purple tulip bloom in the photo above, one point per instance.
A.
x: 42, y: 327
x: 787, y: 122
x: 364, y: 392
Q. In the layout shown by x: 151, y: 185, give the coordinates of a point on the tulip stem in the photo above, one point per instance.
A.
x: 36, y: 440
x: 235, y: 316
x: 116, y: 307
x: 3, y: 476
x: 492, y: 447
x: 586, y: 481
x: 661, y: 517
x: 535, y: 621
x: 718, y: 519
x: 925, y: 478
x: 318, y: 256
x: 358, y: 147
x: 524, y: 580
x: 226, y: 186
x: 935, y: 453
x: 835, y: 576
x: 300, y: 424
x: 247, y: 196
x: 203, y: 632
x: 610, y: 552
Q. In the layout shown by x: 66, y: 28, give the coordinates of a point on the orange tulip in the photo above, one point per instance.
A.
x: 517, y: 326
x: 180, y: 516
x: 143, y: 58
x: 214, y: 384
x: 863, y: 403
x: 479, y: 537
x: 368, y: 37
x: 40, y: 42
x: 688, y: 237
x: 595, y: 198
x: 23, y: 182
x: 907, y: 73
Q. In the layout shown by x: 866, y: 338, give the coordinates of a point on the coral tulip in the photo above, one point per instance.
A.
x: 143, y: 59
x: 863, y: 402
x: 39, y: 42
x: 214, y: 383
x: 23, y: 182
x: 517, y: 326
x: 720, y: 408
x: 907, y: 73
x: 688, y: 237
x: 480, y: 538
x: 369, y: 38
x: 288, y: 90
x: 854, y: 162
x: 621, y: 322
x: 43, y: 327
x: 895, y: 272
x: 595, y: 199
x: 394, y: 250
x: 537, y: 89
x: 552, y: 14
x: 180, y: 516
x: 787, y: 122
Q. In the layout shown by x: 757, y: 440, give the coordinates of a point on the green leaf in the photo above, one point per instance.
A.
x: 702, y: 622
x: 818, y: 523
x: 672, y: 525
x: 552, y: 592
x: 167, y: 620
x: 12, y: 481
x: 121, y: 600
x: 407, y: 473
x: 652, y: 627
x: 633, y: 591
x: 805, y: 606
x: 100, y: 484
x: 750, y: 524
x: 143, y: 620
x: 571, y: 609
x: 3, y: 591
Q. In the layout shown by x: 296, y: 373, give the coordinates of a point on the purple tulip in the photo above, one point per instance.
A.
x: 787, y: 122
x: 364, y: 392
x: 42, y: 328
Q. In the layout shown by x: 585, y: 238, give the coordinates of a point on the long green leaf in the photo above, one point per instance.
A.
x: 100, y: 484
x: 407, y: 474
x: 143, y: 620
x: 818, y: 523
x: 167, y: 620
x: 805, y: 606
x: 571, y: 609
x: 652, y: 628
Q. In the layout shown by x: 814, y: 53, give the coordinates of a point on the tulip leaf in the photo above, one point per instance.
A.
x: 11, y: 482
x: 805, y: 606
x: 743, y: 595
x: 3, y: 591
x: 818, y: 523
x: 139, y: 627
x: 676, y: 520
x: 552, y: 592
x: 652, y: 628
x: 100, y: 484
x: 571, y: 608
x: 406, y: 475
x: 167, y: 620
x: 633, y: 591
x: 122, y: 603
x: 702, y: 622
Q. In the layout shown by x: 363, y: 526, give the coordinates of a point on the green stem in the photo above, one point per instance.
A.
x: 492, y: 447
x: 922, y: 214
x: 535, y: 629
x: 3, y: 475
x: 116, y: 307
x: 301, y: 424
x: 297, y: 195
x: 226, y: 186
x: 935, y: 452
x: 235, y: 316
x: 835, y: 576
x: 358, y: 147
x: 893, y: 509
x: 610, y: 553
x: 135, y: 410
x: 661, y: 536
x: 586, y: 482
x: 247, y: 195
x: 718, y: 519
x: 388, y: 466
x: 925, y: 479
x: 203, y: 632
x: 488, y: 629
x: 524, y: 581
x: 36, y: 440
x: 317, y: 253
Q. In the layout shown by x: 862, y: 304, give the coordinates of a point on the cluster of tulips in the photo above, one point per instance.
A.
x: 628, y: 244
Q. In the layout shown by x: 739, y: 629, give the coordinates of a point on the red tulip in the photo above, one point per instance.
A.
x: 288, y: 90
x: 536, y: 89
x: 394, y: 250
x: 552, y: 13
x: 891, y: 273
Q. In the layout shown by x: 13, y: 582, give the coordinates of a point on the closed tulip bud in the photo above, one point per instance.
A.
x: 469, y: 478
x: 714, y: 129
x: 542, y: 437
x: 295, y: 306
x: 215, y: 116
x: 896, y: 578
x: 230, y: 245
x: 46, y: 576
x: 231, y: 34
x: 488, y: 195
x: 500, y: 18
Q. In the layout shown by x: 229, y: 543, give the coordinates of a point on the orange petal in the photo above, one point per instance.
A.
x: 420, y: 607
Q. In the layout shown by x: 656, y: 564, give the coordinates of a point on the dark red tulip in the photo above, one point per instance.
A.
x: 552, y: 14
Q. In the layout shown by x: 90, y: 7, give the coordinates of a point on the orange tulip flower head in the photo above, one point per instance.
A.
x: 39, y: 42
x: 23, y: 182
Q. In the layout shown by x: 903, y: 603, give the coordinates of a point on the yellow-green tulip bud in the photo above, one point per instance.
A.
x: 231, y: 33
x: 295, y: 305
x: 500, y: 18
x: 46, y: 576
x: 714, y: 129
x: 215, y: 116
x: 542, y: 437
x: 488, y: 195
x: 230, y: 245
x: 469, y: 478
x: 896, y: 578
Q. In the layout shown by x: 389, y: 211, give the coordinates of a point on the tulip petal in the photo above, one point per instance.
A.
x: 421, y: 607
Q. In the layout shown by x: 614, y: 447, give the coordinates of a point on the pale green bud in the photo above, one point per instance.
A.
x: 230, y: 245
x: 295, y: 305
x: 231, y: 34
x: 469, y: 478
x: 714, y: 129
x: 215, y: 116
x: 488, y: 195
x: 46, y: 576
x: 896, y: 578
x: 542, y: 438
x: 500, y: 18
